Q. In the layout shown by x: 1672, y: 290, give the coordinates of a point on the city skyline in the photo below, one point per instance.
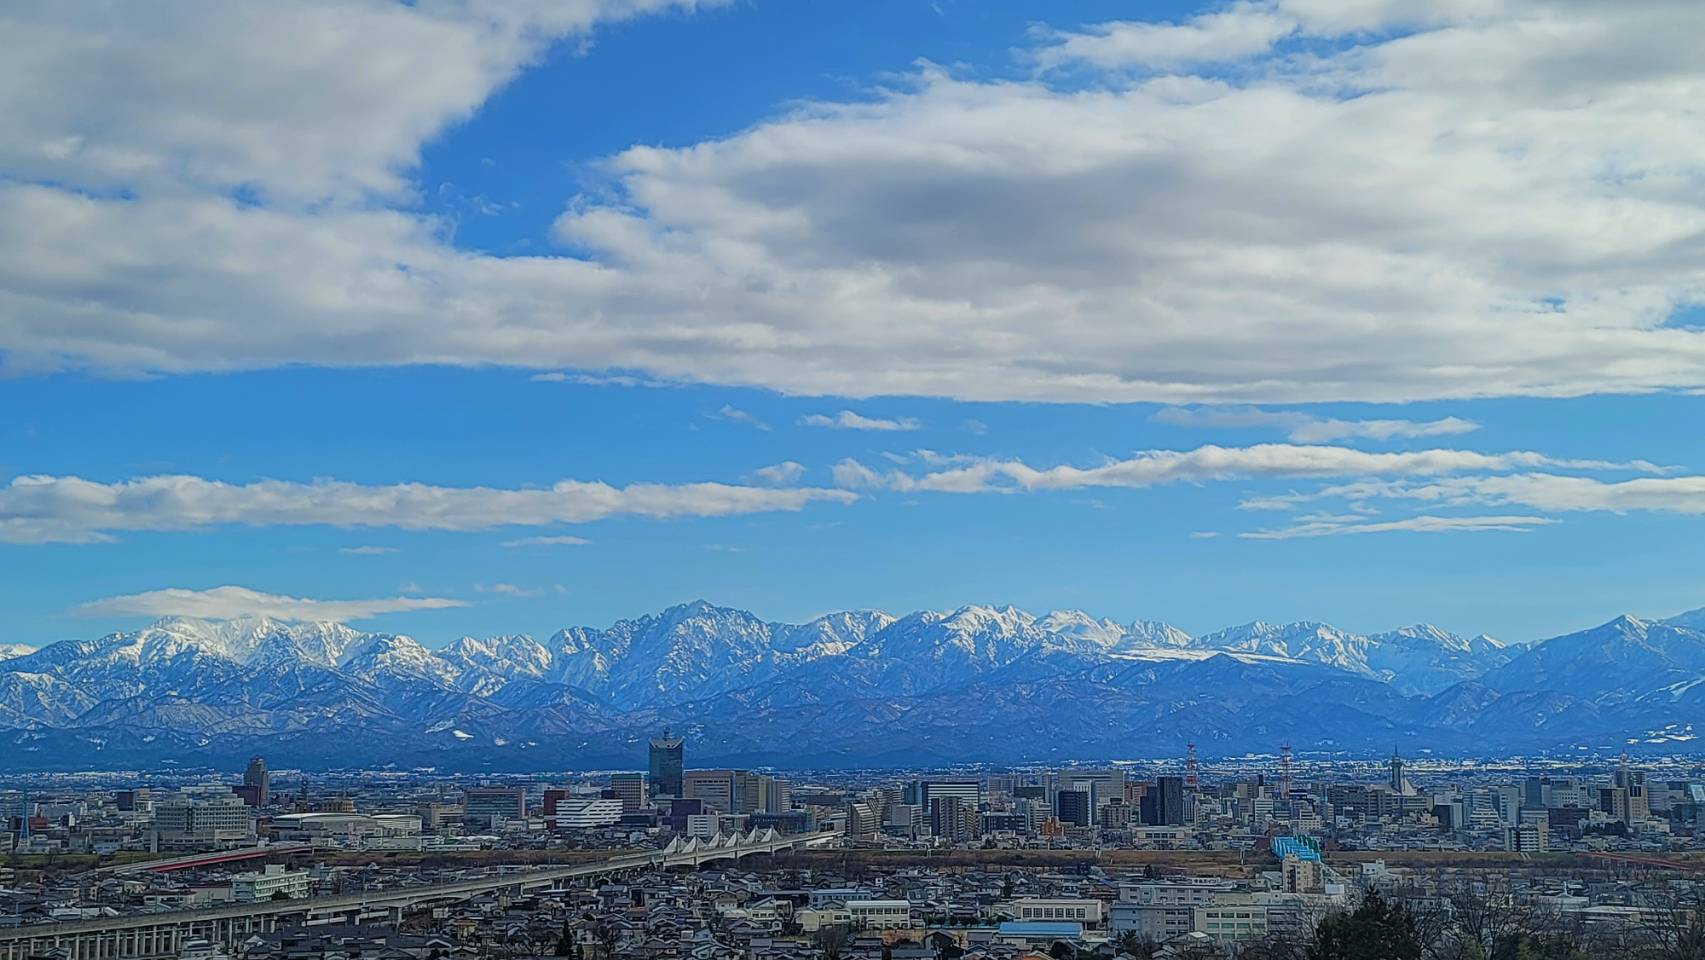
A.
x: 509, y: 318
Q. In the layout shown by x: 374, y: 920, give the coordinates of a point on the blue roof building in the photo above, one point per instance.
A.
x: 1038, y: 931
x: 1303, y: 848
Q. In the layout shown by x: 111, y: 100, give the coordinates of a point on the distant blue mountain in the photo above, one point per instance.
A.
x: 852, y: 688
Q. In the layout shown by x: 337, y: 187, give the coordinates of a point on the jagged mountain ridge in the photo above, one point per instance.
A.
x: 847, y: 687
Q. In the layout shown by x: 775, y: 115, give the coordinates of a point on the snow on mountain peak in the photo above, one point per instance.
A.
x: 1076, y: 623
x: 1692, y: 619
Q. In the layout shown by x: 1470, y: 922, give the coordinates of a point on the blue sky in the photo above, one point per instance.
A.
x: 1150, y: 310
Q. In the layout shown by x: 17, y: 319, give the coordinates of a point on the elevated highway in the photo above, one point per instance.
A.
x: 156, y: 935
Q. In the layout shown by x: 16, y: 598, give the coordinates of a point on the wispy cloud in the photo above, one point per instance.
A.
x: 1306, y: 428
x: 785, y: 472
x: 366, y: 551
x: 854, y: 475
x: 224, y: 603
x: 509, y: 590
x: 553, y: 541
x: 603, y: 380
x: 1238, y: 31
x: 1684, y: 495
x: 1354, y: 524
x: 48, y: 509
x: 730, y: 412
x: 848, y: 420
x: 1156, y: 467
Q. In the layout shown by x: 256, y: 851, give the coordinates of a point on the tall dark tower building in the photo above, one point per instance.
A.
x: 1169, y: 801
x: 1074, y: 807
x: 255, y: 778
x: 666, y: 755
x: 1397, y: 780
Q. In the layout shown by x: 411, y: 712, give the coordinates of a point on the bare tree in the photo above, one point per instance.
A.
x: 832, y: 941
x: 1671, y: 925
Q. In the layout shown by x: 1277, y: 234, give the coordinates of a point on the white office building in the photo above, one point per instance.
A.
x: 880, y: 914
x: 587, y: 814
x: 272, y: 883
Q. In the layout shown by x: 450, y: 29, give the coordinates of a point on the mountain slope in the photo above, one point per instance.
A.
x: 979, y: 683
x: 1611, y: 663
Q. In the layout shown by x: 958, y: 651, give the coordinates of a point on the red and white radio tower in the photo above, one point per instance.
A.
x: 1285, y: 772
x: 1191, y: 780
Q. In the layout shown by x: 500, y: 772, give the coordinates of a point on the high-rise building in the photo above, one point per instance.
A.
x: 1164, y: 805
x: 1103, y: 786
x: 666, y: 765
x: 969, y: 791
x: 953, y: 819
x: 1115, y: 815
x: 748, y: 791
x: 629, y: 788
x: 257, y: 780
x: 681, y: 809
x: 778, y: 797
x: 1533, y: 792
x: 1073, y: 807
x: 202, y: 823
x: 554, y: 798
x: 862, y: 820
x: 490, y: 806
x: 716, y: 788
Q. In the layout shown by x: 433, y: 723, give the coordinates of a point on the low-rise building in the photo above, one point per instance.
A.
x: 272, y: 883
x: 880, y: 914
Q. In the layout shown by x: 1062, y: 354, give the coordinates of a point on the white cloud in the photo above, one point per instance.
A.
x: 853, y: 475
x: 366, y: 551
x: 1683, y: 495
x: 937, y: 459
x: 1335, y: 526
x: 1155, y: 467
x: 1237, y: 31
x: 848, y: 420
x: 737, y: 415
x: 205, y: 92
x: 509, y: 590
x: 602, y: 379
x: 1460, y: 198
x: 47, y: 509
x: 785, y: 472
x: 1306, y: 428
x: 554, y: 541
x: 224, y: 603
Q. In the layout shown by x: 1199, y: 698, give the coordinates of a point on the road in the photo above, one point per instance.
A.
x: 162, y: 934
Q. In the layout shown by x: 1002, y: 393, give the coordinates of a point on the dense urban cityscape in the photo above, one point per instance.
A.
x: 1229, y: 858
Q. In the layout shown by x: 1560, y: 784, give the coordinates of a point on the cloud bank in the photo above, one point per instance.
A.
x: 1274, y: 202
x: 47, y: 509
x: 228, y: 602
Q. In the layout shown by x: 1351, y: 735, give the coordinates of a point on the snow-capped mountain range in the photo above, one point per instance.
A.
x: 977, y: 683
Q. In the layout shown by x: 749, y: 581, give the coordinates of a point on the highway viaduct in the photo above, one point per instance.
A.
x: 156, y: 935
